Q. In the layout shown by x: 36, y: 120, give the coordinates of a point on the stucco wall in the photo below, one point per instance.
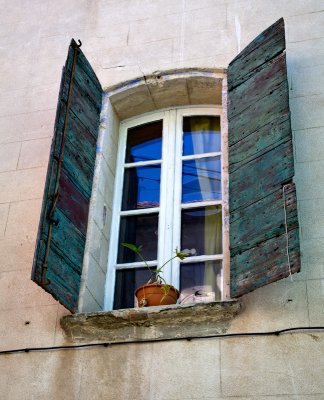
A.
x: 124, y: 39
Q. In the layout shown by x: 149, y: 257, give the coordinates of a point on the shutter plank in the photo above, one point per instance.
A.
x: 79, y: 155
x: 248, y: 231
x: 73, y: 204
x: 65, y: 237
x: 62, y: 230
x: 260, y: 165
x: 261, y: 177
x: 260, y: 141
x: 262, y: 83
x: 68, y: 240
x: 85, y: 109
x: 263, y: 48
x: 255, y: 117
x: 264, y: 264
x: 84, y: 72
x: 65, y: 280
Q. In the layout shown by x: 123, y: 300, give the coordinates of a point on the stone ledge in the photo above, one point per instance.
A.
x: 152, y: 323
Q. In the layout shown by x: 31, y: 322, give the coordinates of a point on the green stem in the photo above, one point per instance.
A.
x: 169, y: 261
x: 142, y: 258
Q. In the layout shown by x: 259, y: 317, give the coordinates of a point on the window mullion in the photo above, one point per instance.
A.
x: 166, y: 200
x: 177, y: 195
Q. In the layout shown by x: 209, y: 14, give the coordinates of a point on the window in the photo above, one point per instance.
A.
x: 168, y: 194
x: 262, y: 206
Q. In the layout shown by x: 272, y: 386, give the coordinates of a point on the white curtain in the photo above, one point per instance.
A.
x: 202, y: 143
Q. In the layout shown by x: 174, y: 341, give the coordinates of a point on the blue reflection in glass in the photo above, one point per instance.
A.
x: 201, y: 134
x: 201, y: 180
x: 141, y: 187
x: 144, y: 142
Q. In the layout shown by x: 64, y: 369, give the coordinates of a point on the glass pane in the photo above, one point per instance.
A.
x: 127, y: 281
x: 144, y: 142
x: 201, y: 179
x: 201, y: 282
x: 139, y: 230
x: 201, y: 230
x: 141, y: 187
x: 201, y: 134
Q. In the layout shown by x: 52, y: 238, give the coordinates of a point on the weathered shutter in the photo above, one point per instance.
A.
x: 63, y: 224
x: 264, y: 241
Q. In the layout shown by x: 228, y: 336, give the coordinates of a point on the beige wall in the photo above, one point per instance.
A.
x: 124, y: 39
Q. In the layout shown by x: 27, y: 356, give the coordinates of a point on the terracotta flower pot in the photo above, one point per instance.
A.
x: 156, y: 294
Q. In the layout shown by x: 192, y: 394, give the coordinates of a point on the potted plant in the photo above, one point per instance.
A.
x: 156, y: 291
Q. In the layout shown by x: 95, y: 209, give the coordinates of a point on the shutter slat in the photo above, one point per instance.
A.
x: 73, y: 204
x: 260, y: 141
x: 63, y: 224
x: 79, y: 155
x: 85, y: 83
x: 65, y: 280
x: 265, y: 264
x: 85, y: 109
x: 248, y: 231
x: 84, y: 68
x: 262, y: 197
x: 263, y: 82
x: 265, y: 47
x: 262, y: 176
x: 68, y: 240
x: 254, y: 117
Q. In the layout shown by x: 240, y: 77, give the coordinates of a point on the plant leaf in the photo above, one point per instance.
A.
x: 181, y: 255
x: 132, y: 247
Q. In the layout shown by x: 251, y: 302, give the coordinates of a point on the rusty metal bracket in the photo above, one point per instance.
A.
x: 59, y: 159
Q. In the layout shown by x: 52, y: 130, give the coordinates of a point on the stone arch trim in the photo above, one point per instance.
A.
x: 172, y: 88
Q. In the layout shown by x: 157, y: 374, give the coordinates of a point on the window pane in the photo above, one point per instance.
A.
x: 200, y: 281
x: 201, y: 230
x: 201, y: 179
x: 141, y: 187
x: 139, y: 230
x: 144, y: 142
x: 201, y: 134
x: 127, y: 281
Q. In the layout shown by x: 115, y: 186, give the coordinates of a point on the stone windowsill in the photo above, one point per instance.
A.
x: 152, y: 323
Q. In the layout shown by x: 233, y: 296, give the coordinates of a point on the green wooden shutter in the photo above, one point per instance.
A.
x: 264, y: 241
x: 63, y: 224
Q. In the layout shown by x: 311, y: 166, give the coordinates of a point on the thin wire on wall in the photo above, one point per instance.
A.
x: 318, y: 329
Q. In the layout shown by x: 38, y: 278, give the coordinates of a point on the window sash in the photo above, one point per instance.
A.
x: 178, y: 205
x: 171, y: 175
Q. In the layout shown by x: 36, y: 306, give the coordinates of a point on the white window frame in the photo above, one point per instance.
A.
x: 169, y: 222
